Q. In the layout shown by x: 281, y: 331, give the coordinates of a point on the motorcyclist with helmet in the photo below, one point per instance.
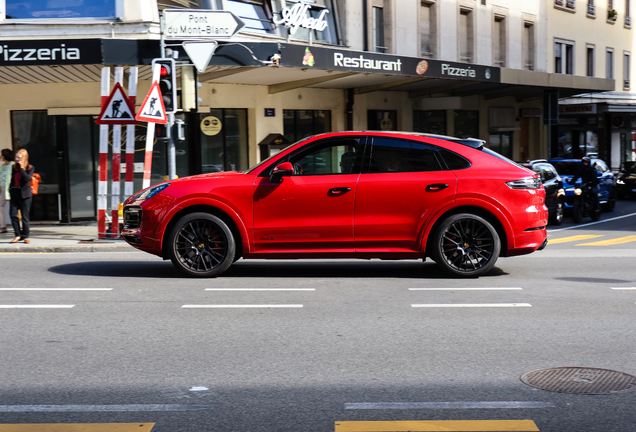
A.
x: 588, y: 175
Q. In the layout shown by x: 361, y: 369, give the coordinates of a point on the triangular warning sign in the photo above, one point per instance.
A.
x: 118, y: 109
x: 152, y: 109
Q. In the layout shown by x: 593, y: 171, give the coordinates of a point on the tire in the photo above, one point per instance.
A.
x: 465, y: 245
x: 611, y: 201
x: 595, y: 214
x: 577, y: 211
x: 201, y: 245
x: 557, y: 217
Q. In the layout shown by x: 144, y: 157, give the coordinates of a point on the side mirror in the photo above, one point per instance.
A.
x: 285, y: 169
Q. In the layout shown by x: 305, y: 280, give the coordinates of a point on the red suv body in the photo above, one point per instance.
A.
x: 386, y: 195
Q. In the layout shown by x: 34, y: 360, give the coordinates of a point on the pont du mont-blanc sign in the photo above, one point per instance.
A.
x: 194, y: 24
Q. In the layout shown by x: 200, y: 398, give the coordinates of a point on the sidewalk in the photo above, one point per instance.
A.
x: 54, y: 237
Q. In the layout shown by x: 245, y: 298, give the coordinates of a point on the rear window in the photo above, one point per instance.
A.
x: 498, y: 156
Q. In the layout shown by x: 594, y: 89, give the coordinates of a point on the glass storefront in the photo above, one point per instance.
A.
x: 223, y: 136
x: 466, y: 124
x: 433, y: 122
x: 298, y: 124
x: 385, y: 120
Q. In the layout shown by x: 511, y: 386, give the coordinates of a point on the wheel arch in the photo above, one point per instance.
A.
x: 203, y: 208
x: 479, y: 211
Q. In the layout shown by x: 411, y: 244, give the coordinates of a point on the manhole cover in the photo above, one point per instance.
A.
x: 580, y: 380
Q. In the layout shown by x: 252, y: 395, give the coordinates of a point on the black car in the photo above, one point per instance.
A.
x: 553, y: 185
x: 626, y: 181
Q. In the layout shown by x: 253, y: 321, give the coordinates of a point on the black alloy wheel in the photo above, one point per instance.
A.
x: 465, y: 245
x: 201, y: 245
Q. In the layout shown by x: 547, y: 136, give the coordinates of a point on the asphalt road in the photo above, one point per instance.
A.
x: 91, y: 340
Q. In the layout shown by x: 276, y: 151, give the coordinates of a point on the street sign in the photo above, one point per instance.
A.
x: 152, y: 109
x: 200, y: 52
x: 196, y: 24
x: 118, y: 110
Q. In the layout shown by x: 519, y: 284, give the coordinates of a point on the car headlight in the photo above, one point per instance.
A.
x: 619, y: 181
x: 150, y: 192
x: 525, y: 183
x: 578, y: 191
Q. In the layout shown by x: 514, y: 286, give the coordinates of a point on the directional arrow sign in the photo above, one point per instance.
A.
x: 196, y: 23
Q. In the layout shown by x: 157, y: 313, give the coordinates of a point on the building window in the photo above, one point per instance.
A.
x: 626, y: 71
x: 501, y: 142
x: 466, y: 35
x: 590, y: 60
x: 227, y: 150
x: 378, y: 30
x: 610, y: 63
x: 528, y: 45
x: 591, y: 9
x: 466, y: 124
x: 428, y: 29
x: 54, y: 9
x: 433, y: 122
x: 628, y: 18
x: 299, y: 124
x: 256, y: 14
x: 499, y: 42
x: 564, y: 57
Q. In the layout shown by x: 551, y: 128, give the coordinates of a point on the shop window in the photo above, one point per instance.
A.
x: 501, y: 143
x: 466, y: 123
x: 298, y: 124
x: 564, y: 57
x: 433, y: 122
x: 53, y: 9
x: 428, y: 29
x: 257, y: 14
x: 385, y: 120
x: 224, y: 146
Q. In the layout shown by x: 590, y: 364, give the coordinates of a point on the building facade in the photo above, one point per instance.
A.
x: 469, y: 68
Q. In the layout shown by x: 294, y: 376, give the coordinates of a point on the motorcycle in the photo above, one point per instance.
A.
x: 585, y: 204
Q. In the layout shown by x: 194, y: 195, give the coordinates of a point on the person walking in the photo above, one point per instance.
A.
x: 6, y: 163
x: 21, y: 196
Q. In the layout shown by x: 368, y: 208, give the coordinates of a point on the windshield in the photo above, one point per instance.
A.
x: 567, y: 168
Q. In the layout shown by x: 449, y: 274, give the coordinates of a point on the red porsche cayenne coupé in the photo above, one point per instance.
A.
x: 387, y: 195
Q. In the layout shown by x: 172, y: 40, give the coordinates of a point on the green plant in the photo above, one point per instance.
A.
x: 611, y: 14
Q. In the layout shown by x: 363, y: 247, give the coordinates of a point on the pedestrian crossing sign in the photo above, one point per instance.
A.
x: 152, y: 109
x: 118, y: 110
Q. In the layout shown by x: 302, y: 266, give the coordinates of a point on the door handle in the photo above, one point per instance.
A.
x: 339, y: 191
x: 436, y: 187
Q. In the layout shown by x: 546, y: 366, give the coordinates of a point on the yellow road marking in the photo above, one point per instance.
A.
x: 437, y: 425
x: 77, y: 427
x: 611, y: 242
x: 573, y: 238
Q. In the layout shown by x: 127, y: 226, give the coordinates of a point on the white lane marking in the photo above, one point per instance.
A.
x: 103, y: 408
x: 464, y: 289
x: 448, y: 405
x: 55, y: 289
x: 260, y: 289
x: 235, y: 306
x: 471, y: 305
x: 591, y: 223
x: 34, y: 306
x: 624, y: 288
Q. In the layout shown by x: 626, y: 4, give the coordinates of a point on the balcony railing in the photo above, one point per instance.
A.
x: 628, y: 21
x: 591, y: 9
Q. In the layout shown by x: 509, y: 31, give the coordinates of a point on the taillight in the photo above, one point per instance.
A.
x: 525, y: 183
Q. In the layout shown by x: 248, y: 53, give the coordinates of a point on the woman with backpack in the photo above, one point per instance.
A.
x: 21, y: 196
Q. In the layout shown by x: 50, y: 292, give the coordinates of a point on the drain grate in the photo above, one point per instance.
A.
x: 580, y: 380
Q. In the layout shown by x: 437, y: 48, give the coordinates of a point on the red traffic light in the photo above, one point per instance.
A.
x: 164, y: 71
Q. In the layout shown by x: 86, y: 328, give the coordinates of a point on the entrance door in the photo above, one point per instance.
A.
x: 81, y: 167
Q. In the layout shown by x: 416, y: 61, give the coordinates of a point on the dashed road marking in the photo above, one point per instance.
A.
x: 56, y: 289
x: 34, y: 306
x: 470, y: 305
x: 619, y: 240
x: 572, y: 239
x: 465, y: 289
x: 238, y: 306
x: 103, y: 408
x: 438, y: 425
x: 260, y: 289
x: 77, y: 427
x: 448, y: 405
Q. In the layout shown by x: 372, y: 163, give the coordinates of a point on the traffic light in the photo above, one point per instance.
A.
x: 168, y: 83
x: 190, y: 86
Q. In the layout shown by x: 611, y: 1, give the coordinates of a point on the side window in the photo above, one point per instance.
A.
x: 395, y: 155
x: 335, y: 156
x: 453, y: 160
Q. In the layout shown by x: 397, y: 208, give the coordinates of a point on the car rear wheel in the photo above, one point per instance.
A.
x: 557, y: 217
x: 465, y: 245
x: 201, y: 245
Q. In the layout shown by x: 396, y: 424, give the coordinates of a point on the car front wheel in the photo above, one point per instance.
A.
x: 557, y: 217
x: 465, y: 245
x: 201, y: 245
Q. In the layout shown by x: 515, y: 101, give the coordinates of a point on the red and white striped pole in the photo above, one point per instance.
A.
x: 116, y: 168
x: 130, y: 135
x: 150, y: 137
x: 102, y: 190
